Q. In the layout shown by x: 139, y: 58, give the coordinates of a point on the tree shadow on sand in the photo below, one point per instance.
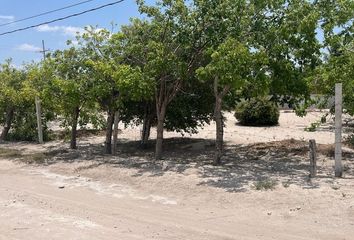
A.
x: 285, y: 162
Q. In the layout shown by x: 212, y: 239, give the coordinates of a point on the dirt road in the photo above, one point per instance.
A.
x: 36, y: 203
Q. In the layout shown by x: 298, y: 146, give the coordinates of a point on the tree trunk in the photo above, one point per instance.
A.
x: 148, y: 118
x: 145, y: 135
x: 76, y: 114
x: 163, y: 97
x: 219, y: 142
x: 9, y: 117
x: 115, y: 132
x: 219, y: 130
x: 109, y: 130
x: 161, y: 114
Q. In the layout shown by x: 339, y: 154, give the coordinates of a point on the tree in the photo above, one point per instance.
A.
x: 10, y: 95
x: 190, y: 110
x: 175, y: 48
x: 231, y: 66
x: 338, y: 69
x: 71, y: 87
x: 170, y: 56
x: 134, y: 39
x: 287, y: 31
x: 114, y: 81
x: 281, y: 40
x: 337, y: 25
x: 17, y: 98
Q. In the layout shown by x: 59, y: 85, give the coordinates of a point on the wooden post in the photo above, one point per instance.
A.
x: 39, y: 120
x: 115, y: 132
x: 313, y: 158
x: 38, y: 105
x: 338, y: 131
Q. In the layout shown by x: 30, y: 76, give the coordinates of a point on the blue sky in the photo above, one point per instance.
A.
x: 23, y: 46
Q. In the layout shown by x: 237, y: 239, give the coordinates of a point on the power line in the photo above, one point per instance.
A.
x: 45, y: 13
x: 62, y: 18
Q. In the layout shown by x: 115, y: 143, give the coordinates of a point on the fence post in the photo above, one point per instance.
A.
x: 313, y: 158
x: 39, y: 120
x: 338, y: 130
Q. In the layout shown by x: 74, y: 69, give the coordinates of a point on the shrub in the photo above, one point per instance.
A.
x: 257, y: 112
x: 266, y: 184
x: 24, y: 126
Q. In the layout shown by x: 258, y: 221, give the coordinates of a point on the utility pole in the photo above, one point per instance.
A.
x: 38, y: 104
x: 44, y: 51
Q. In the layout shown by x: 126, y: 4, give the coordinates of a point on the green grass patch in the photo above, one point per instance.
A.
x: 266, y: 184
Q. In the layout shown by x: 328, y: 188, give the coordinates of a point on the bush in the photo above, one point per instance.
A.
x: 24, y: 126
x: 257, y: 112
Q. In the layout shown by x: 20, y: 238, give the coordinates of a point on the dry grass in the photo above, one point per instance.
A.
x: 14, y: 154
x: 34, y: 158
x: 285, y: 146
x: 9, y: 153
x: 266, y: 184
x: 293, y: 147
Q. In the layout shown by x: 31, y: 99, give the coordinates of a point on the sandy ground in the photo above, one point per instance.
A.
x: 49, y: 192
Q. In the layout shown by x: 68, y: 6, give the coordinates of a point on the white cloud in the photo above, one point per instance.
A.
x: 4, y: 18
x: 19, y: 67
x: 72, y: 31
x: 66, y: 30
x: 75, y: 42
x: 28, y: 48
x: 47, y: 28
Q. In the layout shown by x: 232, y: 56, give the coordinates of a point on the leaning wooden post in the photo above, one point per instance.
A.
x: 39, y: 120
x: 115, y: 132
x: 313, y: 158
x: 338, y: 131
